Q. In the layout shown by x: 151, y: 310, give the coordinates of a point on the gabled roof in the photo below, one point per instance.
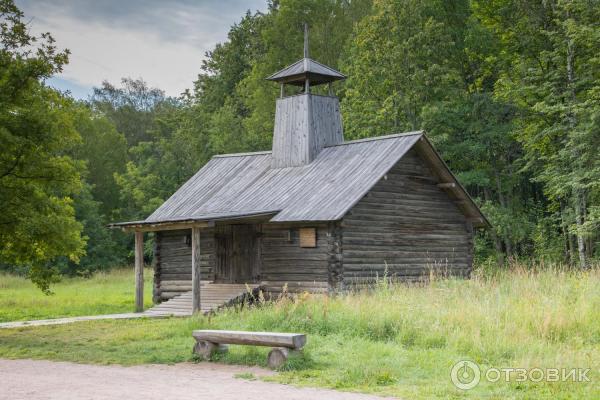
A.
x: 296, y: 73
x: 241, y: 185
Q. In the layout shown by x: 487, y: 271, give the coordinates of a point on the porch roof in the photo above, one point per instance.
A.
x: 205, y: 220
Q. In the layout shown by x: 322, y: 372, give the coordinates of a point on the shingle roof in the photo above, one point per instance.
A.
x: 306, y: 67
x: 245, y: 184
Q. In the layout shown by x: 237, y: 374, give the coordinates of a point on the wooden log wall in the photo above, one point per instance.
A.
x: 173, y: 266
x: 284, y: 261
x: 407, y: 222
x: 335, y: 262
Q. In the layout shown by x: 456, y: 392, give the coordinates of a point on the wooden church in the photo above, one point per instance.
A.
x: 316, y: 213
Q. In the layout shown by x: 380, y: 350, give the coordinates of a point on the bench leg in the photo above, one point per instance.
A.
x: 206, y: 349
x: 278, y: 356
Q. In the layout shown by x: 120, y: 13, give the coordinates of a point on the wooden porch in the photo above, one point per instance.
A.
x: 235, y: 272
x: 212, y: 297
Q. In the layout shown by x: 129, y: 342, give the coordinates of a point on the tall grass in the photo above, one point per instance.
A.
x: 396, y: 340
x: 553, y: 305
x: 392, y: 338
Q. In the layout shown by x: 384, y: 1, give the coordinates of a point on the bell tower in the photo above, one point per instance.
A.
x: 305, y: 123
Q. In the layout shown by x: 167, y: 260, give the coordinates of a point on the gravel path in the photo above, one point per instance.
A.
x: 34, y: 380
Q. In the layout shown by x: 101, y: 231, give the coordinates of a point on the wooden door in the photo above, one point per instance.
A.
x: 223, y: 241
x: 236, y: 254
x: 243, y: 253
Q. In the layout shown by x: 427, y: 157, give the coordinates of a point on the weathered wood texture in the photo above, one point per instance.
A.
x: 277, y: 339
x: 279, y: 356
x: 325, y: 190
x: 139, y: 271
x: 284, y: 262
x: 237, y: 253
x: 306, y: 68
x: 304, y: 125
x: 335, y: 257
x: 196, y: 270
x: 407, y: 222
x: 272, y: 259
x: 156, y: 270
x: 213, y: 297
x: 174, y: 264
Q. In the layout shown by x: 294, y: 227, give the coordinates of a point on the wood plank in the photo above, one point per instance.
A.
x: 139, y: 271
x: 273, y: 339
x: 308, y: 237
x: 446, y: 185
x: 160, y: 226
x: 408, y: 226
x: 196, y: 273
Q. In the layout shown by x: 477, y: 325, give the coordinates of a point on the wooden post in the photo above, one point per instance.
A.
x: 139, y: 271
x: 305, y: 40
x: 196, y: 270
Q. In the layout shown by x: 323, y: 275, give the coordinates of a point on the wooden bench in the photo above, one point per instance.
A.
x: 210, y: 341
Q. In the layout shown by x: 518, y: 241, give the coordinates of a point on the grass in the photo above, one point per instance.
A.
x: 104, y: 293
x: 397, y: 340
x: 245, y: 375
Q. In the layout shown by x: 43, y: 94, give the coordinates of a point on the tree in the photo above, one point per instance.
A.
x: 130, y: 107
x: 104, y: 250
x: 552, y: 75
x: 402, y: 58
x: 104, y: 151
x: 160, y: 165
x: 37, y: 177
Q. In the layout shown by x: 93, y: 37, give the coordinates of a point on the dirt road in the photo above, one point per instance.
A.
x: 34, y: 380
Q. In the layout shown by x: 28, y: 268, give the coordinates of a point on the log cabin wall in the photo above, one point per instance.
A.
x: 408, y: 222
x: 284, y: 261
x: 173, y: 261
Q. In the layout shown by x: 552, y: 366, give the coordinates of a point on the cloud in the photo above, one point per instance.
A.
x: 163, y: 42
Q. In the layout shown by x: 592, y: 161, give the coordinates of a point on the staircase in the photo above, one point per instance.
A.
x: 212, y: 297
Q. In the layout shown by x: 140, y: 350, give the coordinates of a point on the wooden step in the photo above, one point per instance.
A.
x: 212, y: 297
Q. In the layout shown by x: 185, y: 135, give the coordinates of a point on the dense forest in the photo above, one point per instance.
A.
x: 507, y: 90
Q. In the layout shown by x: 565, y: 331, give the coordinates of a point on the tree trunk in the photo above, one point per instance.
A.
x: 569, y: 248
x: 507, y: 242
x: 495, y: 238
x: 579, y: 220
x: 579, y: 196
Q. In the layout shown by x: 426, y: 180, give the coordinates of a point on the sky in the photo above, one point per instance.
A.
x: 161, y: 41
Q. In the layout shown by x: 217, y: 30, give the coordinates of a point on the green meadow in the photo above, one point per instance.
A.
x: 395, y: 340
x: 103, y: 293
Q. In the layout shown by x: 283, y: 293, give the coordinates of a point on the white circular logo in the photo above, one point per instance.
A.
x: 465, y: 375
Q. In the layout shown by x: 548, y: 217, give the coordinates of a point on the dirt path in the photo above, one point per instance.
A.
x: 69, y: 320
x: 34, y: 380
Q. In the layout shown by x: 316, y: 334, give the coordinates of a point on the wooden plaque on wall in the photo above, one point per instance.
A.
x: 308, y: 237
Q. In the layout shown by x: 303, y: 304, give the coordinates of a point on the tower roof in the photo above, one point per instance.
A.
x: 298, y: 72
x: 306, y: 69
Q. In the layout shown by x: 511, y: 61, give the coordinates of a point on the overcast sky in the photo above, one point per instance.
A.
x: 161, y: 41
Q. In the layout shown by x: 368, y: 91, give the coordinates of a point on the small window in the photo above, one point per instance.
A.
x: 308, y: 237
x: 188, y: 240
x: 292, y: 235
